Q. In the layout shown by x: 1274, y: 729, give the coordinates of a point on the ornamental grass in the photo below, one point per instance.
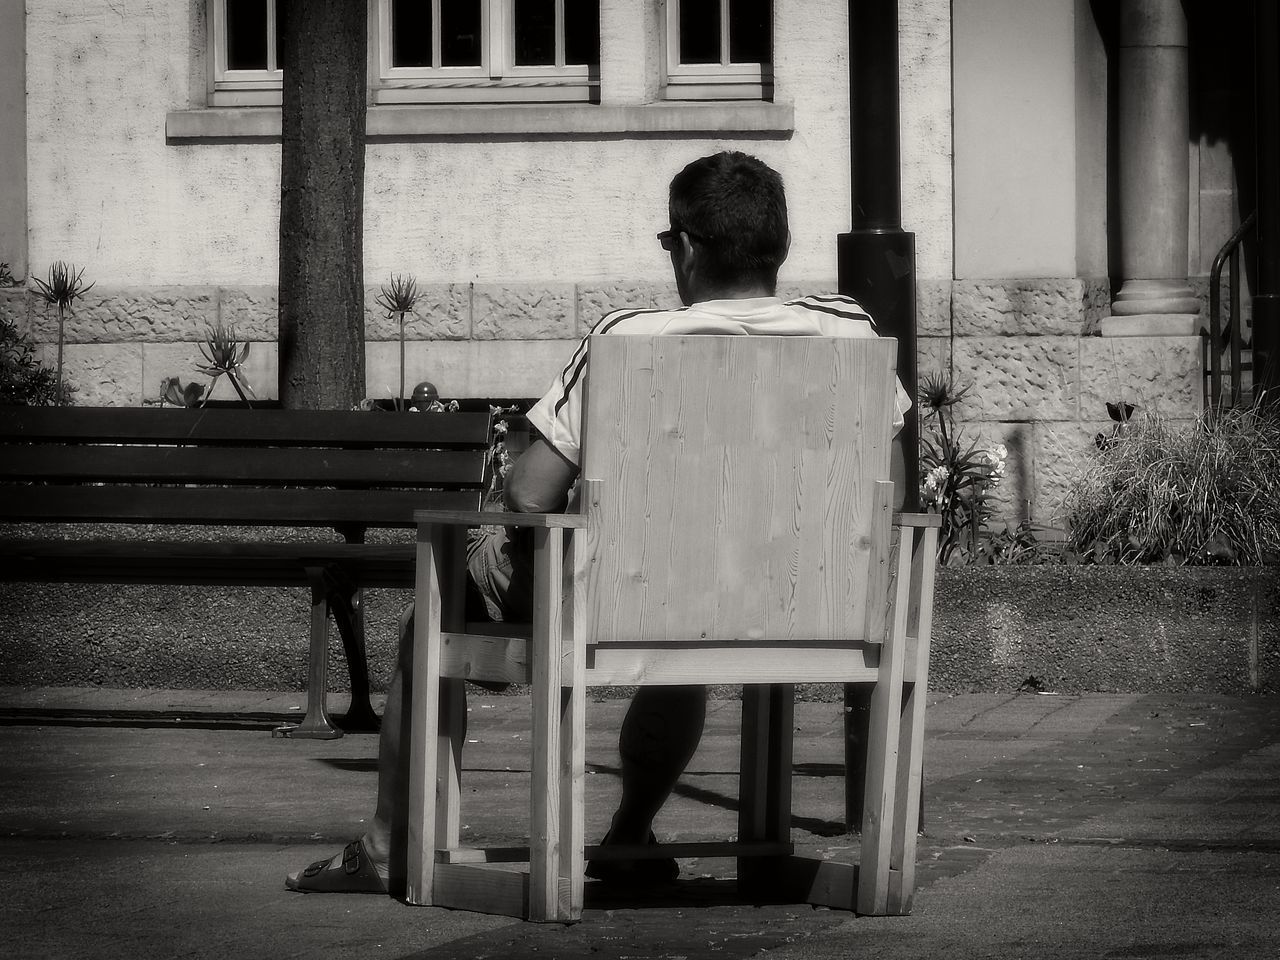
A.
x: 1199, y: 492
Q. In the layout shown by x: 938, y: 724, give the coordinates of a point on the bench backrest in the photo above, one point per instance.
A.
x: 737, y: 481
x: 276, y: 467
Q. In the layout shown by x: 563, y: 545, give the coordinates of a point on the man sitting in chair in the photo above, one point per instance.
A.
x: 727, y: 239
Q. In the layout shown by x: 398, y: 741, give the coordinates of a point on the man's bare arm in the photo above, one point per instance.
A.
x: 539, y: 481
x: 898, y: 471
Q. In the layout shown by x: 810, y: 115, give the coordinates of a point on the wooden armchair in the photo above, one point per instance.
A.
x: 736, y: 527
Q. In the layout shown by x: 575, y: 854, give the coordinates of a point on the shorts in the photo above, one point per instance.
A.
x: 500, y: 564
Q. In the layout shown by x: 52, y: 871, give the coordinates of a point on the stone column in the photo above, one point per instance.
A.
x: 1155, y: 298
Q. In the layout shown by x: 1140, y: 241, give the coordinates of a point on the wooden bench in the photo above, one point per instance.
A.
x: 222, y: 478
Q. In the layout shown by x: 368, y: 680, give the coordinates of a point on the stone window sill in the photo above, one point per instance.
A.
x: 412, y: 122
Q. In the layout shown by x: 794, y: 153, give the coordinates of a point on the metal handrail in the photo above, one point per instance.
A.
x: 1230, y: 250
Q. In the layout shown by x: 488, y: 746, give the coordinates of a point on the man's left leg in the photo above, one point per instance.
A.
x: 376, y: 862
x: 660, y: 734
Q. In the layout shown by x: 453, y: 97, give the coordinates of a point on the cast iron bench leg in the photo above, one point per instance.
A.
x: 346, y: 600
x: 316, y: 725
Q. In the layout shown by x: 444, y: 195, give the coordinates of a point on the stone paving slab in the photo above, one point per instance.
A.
x: 1081, y: 903
x: 1147, y: 826
x: 130, y: 900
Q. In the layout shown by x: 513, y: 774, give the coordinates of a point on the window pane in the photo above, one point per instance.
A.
x: 461, y: 42
x: 246, y: 34
x: 582, y: 32
x: 411, y: 33
x: 281, y: 11
x: 750, y: 33
x: 699, y: 31
x: 535, y: 28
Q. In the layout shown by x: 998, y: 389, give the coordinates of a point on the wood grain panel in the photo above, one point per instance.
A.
x: 736, y: 477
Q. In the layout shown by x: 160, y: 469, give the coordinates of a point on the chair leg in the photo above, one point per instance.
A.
x: 908, y: 817
x: 452, y: 569
x: 573, y: 737
x: 425, y: 702
x: 452, y: 735
x: 764, y: 810
x: 882, y: 807
x: 545, y: 840
x: 857, y: 719
x: 906, y: 812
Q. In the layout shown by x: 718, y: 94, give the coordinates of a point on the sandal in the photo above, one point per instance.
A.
x: 634, y: 872
x: 355, y: 874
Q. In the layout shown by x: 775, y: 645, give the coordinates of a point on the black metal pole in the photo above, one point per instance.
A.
x: 877, y: 266
x: 1266, y: 299
x: 876, y: 260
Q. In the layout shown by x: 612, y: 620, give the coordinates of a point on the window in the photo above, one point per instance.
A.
x: 719, y: 49
x: 246, y: 52
x: 487, y: 50
x: 426, y: 51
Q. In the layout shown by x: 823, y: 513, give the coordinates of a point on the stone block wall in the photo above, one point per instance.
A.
x: 471, y: 340
x: 1040, y: 378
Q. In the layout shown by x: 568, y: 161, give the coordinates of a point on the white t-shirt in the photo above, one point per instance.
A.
x: 558, y: 415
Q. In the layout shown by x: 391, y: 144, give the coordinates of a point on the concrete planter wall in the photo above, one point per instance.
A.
x: 1107, y: 628
x: 1072, y: 628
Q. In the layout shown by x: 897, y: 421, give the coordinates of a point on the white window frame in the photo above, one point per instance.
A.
x: 710, y: 81
x: 496, y: 80
x: 230, y: 88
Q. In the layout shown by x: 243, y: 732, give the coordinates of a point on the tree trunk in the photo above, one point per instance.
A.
x: 322, y: 204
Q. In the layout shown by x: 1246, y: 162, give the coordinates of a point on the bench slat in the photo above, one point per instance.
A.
x: 207, y: 564
x: 297, y: 428
x: 226, y: 505
x: 237, y: 465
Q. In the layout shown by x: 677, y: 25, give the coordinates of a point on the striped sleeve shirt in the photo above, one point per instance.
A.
x: 558, y: 415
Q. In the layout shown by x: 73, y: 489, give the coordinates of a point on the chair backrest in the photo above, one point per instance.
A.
x: 736, y: 485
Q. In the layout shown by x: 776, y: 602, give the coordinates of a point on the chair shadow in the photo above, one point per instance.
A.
x: 690, y: 791
x: 699, y: 892
x: 816, y: 826
x: 818, y: 770
x: 356, y: 764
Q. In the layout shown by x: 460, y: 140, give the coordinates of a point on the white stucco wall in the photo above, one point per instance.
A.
x: 1015, y: 148
x: 108, y: 192
x: 924, y: 56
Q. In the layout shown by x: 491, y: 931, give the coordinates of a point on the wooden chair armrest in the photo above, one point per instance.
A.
x: 480, y: 518
x: 917, y: 520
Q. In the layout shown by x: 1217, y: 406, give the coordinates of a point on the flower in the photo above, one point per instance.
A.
x: 994, y: 461
x: 938, y: 475
x: 933, y: 490
x: 937, y: 391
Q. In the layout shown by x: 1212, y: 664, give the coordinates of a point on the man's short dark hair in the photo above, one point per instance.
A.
x: 735, y: 205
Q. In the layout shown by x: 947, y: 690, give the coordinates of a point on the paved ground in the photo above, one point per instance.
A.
x: 1056, y: 826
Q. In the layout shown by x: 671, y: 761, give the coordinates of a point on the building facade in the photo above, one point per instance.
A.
x: 517, y: 164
